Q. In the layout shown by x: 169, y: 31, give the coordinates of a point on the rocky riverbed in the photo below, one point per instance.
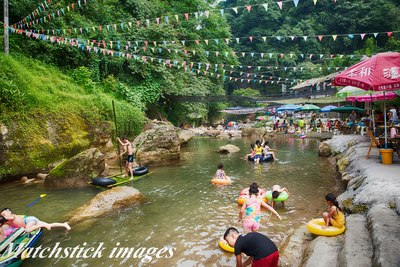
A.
x: 371, y: 202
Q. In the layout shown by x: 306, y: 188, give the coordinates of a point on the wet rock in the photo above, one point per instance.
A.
x: 357, y: 249
x: 23, y: 179
x: 76, y: 171
x: 349, y: 206
x: 383, y: 224
x: 324, y: 150
x: 292, y: 250
x: 260, y: 132
x: 231, y: 133
x: 158, y: 146
x: 229, y: 149
x: 324, y: 251
x: 106, y: 202
x: 220, y: 128
x: 41, y: 176
x: 343, y: 163
x: 185, y: 136
x: 212, y: 133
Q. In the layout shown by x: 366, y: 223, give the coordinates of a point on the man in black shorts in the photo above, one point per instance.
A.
x: 129, y: 158
x: 261, y: 250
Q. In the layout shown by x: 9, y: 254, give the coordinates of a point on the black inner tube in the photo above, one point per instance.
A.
x: 103, y: 181
x: 141, y: 170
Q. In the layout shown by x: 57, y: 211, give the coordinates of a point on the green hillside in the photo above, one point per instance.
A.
x: 46, y: 115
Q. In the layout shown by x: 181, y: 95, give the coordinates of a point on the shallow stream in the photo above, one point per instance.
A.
x: 182, y: 211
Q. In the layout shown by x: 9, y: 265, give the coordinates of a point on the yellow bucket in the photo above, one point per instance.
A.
x: 387, y: 156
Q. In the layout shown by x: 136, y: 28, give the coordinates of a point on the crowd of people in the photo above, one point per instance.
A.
x: 260, y: 249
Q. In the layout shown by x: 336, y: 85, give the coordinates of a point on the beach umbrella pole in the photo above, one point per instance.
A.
x: 384, y: 112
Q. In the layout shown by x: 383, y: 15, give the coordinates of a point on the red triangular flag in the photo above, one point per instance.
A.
x: 248, y: 8
x: 389, y: 34
x: 186, y: 16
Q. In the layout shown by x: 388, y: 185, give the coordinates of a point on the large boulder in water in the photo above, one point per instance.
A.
x: 185, y: 136
x: 107, y: 201
x: 228, y: 149
x: 325, y: 149
x: 76, y: 171
x: 157, y: 146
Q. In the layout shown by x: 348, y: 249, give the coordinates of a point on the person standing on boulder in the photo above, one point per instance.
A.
x: 129, y: 158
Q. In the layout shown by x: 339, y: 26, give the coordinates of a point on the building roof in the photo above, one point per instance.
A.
x: 314, y: 81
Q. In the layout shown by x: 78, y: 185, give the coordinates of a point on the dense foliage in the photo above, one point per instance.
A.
x: 327, y: 17
x: 168, y: 46
x: 145, y: 84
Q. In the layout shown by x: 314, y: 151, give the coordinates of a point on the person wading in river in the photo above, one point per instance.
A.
x: 129, y: 158
x: 261, y: 250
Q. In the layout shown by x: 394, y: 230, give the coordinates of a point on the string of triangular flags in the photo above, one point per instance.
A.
x: 62, y: 40
x: 238, y: 40
x: 236, y: 54
x: 202, y: 68
x: 39, y: 10
x: 33, y: 19
x: 30, y: 20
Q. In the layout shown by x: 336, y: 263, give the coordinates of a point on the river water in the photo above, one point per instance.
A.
x: 182, y: 211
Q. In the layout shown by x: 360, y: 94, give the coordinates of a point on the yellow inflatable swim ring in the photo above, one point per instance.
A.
x: 220, y: 181
x: 225, y: 246
x: 315, y: 227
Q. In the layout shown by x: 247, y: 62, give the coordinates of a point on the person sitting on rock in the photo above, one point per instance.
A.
x: 335, y: 215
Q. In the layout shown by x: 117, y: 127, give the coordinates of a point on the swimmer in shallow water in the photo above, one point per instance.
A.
x: 30, y: 223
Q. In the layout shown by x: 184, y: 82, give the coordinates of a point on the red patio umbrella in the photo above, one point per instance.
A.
x: 372, y: 97
x: 381, y: 72
x: 378, y: 73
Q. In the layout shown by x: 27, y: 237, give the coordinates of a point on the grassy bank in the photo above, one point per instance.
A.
x: 46, y: 115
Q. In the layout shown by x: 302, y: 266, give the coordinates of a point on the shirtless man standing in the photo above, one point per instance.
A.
x: 129, y: 159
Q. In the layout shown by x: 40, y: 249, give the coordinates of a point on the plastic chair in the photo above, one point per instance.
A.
x: 374, y: 142
x: 363, y: 130
x: 319, y: 130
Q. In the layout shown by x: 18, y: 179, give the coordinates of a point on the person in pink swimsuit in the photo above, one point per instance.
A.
x: 252, y: 209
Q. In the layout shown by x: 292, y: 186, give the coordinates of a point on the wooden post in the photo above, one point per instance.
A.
x: 6, y: 43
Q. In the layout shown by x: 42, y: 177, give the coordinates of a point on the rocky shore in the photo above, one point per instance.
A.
x: 371, y: 202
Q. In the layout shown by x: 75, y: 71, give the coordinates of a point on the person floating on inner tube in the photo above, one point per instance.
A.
x: 252, y: 154
x: 276, y: 190
x: 252, y: 209
x: 259, y: 152
x: 220, y: 174
x: 268, y: 150
x: 335, y: 215
x: 129, y: 158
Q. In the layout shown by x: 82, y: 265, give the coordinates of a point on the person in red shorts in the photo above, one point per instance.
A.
x: 261, y: 250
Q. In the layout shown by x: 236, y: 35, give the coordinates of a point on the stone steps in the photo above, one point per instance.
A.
x: 369, y: 240
x: 384, y: 227
x: 357, y: 247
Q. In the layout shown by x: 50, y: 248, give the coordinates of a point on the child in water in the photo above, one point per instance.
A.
x: 252, y: 154
x: 220, y: 174
x: 252, y: 209
x: 335, y: 216
x: 30, y: 223
x: 276, y: 191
